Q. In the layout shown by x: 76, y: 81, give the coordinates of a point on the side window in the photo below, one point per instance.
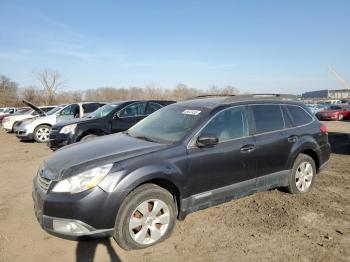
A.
x: 152, y: 107
x: 228, y: 124
x: 136, y: 109
x: 299, y: 116
x: 267, y: 118
x: 287, y: 118
x: 89, y: 108
x: 71, y: 110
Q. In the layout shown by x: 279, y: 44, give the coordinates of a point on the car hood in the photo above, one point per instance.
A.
x: 77, y: 158
x: 37, y: 109
x: 72, y: 121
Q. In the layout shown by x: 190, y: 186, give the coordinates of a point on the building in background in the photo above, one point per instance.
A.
x: 339, y: 94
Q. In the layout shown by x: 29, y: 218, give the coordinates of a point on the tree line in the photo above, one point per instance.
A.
x: 50, y: 91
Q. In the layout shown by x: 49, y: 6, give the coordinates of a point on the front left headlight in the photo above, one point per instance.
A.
x: 83, y: 181
x: 68, y: 129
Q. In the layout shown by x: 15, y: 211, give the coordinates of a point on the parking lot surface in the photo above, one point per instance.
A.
x: 269, y: 226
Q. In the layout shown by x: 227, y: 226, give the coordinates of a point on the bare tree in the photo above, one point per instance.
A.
x: 8, y: 92
x: 50, y: 81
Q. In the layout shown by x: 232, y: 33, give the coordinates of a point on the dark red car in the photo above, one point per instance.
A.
x: 334, y: 112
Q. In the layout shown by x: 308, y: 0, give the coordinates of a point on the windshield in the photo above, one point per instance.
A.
x: 22, y: 111
x: 53, y: 111
x: 102, y: 111
x: 168, y: 125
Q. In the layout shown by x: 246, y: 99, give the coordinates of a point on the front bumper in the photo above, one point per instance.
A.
x: 75, y: 216
x: 24, y: 135
x: 58, y: 140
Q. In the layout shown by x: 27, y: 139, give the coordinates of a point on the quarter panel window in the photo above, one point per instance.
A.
x: 228, y: 124
x: 299, y: 116
x: 267, y: 118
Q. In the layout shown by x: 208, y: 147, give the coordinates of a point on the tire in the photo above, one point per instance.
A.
x: 340, y: 117
x: 125, y: 232
x: 303, y: 175
x: 87, y: 137
x: 41, y: 133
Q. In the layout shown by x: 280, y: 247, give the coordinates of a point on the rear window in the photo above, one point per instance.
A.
x: 299, y: 115
x: 267, y: 118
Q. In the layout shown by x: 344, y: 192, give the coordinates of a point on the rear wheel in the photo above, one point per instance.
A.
x: 146, y: 217
x: 41, y: 133
x: 303, y: 175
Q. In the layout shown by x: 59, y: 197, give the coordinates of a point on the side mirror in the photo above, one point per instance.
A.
x: 116, y: 115
x: 207, y: 140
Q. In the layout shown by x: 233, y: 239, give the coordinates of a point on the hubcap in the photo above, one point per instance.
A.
x: 304, y: 176
x: 149, y: 221
x: 43, y: 134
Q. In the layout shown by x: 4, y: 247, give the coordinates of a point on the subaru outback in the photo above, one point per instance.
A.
x: 184, y: 157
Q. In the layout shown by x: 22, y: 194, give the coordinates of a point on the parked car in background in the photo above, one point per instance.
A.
x: 9, y: 122
x: 7, y: 110
x: 334, y: 112
x: 111, y: 118
x: 38, y: 128
x: 184, y: 157
x: 4, y: 112
x: 315, y: 108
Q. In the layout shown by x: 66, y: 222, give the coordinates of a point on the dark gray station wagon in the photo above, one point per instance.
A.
x: 184, y: 157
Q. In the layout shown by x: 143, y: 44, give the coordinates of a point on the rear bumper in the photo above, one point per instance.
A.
x: 324, y: 155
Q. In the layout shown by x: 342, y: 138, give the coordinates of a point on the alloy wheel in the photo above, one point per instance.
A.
x: 149, y: 221
x: 304, y: 176
x: 43, y: 134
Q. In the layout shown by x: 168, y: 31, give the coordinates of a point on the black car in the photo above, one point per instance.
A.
x: 111, y: 118
x: 185, y: 157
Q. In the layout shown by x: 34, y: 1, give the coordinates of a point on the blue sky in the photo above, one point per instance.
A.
x: 257, y: 46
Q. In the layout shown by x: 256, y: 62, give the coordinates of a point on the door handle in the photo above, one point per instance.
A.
x: 292, y: 139
x: 247, y: 148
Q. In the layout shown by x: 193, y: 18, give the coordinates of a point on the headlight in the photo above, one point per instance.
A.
x: 68, y: 129
x: 82, y: 181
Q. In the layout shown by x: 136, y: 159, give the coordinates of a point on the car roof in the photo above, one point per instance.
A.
x: 213, y: 101
x: 141, y: 100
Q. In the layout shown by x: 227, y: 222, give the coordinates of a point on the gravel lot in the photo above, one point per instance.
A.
x: 269, y: 226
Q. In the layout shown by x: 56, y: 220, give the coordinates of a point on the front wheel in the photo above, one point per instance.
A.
x: 146, y: 217
x: 303, y: 175
x: 41, y: 133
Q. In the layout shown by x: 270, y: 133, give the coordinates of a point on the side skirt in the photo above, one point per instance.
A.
x: 224, y: 194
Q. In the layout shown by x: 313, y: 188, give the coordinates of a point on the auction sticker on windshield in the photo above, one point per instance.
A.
x: 191, y: 112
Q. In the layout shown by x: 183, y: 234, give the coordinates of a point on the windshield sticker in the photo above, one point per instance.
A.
x: 191, y: 112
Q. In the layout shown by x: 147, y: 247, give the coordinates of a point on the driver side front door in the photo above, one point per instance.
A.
x: 228, y: 169
x: 128, y: 116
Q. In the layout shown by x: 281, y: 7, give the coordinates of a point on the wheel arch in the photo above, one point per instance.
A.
x: 90, y: 131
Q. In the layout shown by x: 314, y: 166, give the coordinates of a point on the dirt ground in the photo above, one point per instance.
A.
x: 269, y: 226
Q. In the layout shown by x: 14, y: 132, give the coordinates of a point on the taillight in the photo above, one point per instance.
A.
x: 324, y: 129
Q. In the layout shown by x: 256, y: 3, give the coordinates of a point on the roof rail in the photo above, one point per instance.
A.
x: 208, y: 95
x: 262, y: 96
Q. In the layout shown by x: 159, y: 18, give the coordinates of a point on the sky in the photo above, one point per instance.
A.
x: 257, y: 46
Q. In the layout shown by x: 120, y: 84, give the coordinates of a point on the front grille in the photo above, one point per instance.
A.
x: 44, y: 183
